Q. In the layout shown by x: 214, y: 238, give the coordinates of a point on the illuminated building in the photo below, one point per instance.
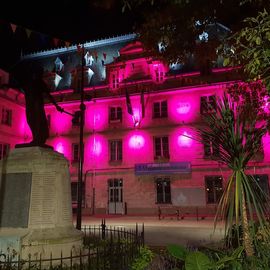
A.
x: 140, y: 122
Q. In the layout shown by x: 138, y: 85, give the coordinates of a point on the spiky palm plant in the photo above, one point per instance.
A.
x: 236, y: 138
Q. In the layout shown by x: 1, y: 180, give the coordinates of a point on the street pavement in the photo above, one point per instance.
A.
x: 188, y: 232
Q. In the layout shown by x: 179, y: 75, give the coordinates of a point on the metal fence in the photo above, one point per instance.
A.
x: 105, y: 248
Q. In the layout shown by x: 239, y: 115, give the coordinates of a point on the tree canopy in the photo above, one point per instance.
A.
x: 170, y: 29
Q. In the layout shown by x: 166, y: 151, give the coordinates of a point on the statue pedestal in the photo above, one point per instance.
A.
x: 35, y: 204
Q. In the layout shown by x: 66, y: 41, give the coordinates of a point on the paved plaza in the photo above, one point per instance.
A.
x: 166, y: 231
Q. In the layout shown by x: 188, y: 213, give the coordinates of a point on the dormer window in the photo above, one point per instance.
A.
x: 159, y: 76
x: 116, y: 77
x: 158, y: 72
x: 115, y: 81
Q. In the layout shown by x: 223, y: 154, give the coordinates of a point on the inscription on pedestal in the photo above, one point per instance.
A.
x: 66, y: 200
x: 44, y: 199
x: 15, y: 195
x: 49, y: 198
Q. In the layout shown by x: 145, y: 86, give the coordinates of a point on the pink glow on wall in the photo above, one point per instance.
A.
x: 183, y: 107
x: 97, y: 149
x: 96, y: 116
x: 59, y: 148
x: 62, y: 145
x: 266, y: 147
x: 136, y: 141
x: 138, y: 147
x: 61, y: 123
x: 136, y: 117
x: 183, y: 146
x: 185, y: 139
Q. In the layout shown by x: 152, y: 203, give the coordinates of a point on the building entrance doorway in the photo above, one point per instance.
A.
x: 115, y: 196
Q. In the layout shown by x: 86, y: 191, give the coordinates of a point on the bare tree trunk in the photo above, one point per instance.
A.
x: 247, y: 240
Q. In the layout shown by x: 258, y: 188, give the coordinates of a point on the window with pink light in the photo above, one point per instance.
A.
x: 115, y: 114
x: 210, y: 149
x: 161, y: 148
x: 160, y: 109
x: 116, y: 151
x: 208, y: 104
x: 158, y: 73
x: 76, y: 152
x: 116, y: 77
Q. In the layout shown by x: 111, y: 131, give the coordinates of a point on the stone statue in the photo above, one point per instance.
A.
x: 29, y: 77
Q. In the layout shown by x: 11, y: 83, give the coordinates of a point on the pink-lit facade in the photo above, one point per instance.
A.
x: 13, y: 126
x: 134, y: 163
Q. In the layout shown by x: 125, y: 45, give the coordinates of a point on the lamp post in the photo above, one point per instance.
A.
x: 81, y: 150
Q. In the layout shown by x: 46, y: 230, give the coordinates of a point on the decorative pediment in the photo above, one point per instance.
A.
x: 132, y: 48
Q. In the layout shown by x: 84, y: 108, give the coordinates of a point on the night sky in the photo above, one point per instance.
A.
x: 72, y: 21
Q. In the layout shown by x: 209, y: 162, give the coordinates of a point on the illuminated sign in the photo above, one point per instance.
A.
x: 162, y: 168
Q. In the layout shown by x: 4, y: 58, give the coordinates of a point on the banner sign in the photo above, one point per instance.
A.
x: 162, y: 168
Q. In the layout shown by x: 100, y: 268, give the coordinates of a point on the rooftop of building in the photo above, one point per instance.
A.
x: 87, y: 45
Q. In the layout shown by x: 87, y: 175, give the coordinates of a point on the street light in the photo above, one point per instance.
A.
x: 81, y: 150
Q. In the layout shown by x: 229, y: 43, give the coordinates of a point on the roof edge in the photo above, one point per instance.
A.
x: 87, y: 45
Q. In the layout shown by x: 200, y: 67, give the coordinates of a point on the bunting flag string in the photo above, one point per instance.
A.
x: 13, y: 27
x: 28, y: 32
x: 67, y: 44
x: 56, y: 41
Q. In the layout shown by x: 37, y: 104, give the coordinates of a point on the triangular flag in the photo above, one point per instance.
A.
x: 57, y: 80
x: 90, y: 73
x: 55, y: 41
x: 88, y: 59
x: 67, y: 44
x: 80, y: 49
x: 28, y: 32
x: 129, y: 106
x: 96, y: 55
x: 142, y: 103
x: 13, y: 27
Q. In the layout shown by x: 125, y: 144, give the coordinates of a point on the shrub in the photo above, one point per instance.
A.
x: 143, y: 260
